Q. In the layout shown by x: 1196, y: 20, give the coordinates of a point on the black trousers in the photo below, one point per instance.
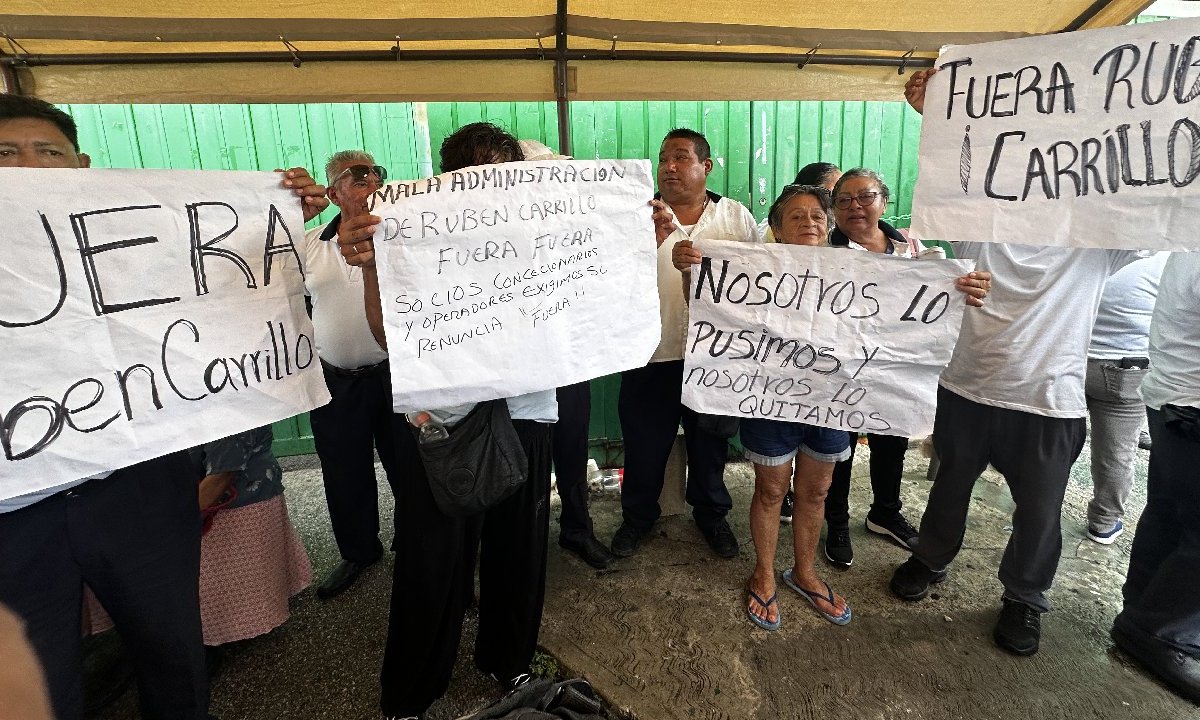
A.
x: 134, y: 538
x: 434, y: 575
x: 1035, y: 454
x: 651, y: 413
x: 570, y: 460
x: 1162, y: 588
x: 887, y: 467
x: 347, y: 431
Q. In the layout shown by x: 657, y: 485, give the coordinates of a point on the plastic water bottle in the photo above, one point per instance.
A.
x: 429, y: 428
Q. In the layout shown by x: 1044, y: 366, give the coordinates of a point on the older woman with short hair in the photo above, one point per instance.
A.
x: 784, y: 453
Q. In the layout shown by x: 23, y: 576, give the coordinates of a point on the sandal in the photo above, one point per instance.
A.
x: 764, y: 624
x: 812, y: 597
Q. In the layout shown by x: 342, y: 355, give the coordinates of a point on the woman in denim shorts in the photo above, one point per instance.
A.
x: 784, y: 453
x: 800, y: 216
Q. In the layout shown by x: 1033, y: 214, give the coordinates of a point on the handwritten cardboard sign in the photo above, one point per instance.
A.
x: 1086, y: 139
x: 143, y: 312
x: 507, y: 279
x: 824, y: 336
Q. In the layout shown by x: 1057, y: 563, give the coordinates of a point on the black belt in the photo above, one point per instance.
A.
x: 1129, y: 363
x: 380, y: 366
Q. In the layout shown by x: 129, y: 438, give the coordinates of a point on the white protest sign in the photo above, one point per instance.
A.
x: 143, y: 312
x: 1085, y: 139
x: 825, y: 336
x: 507, y: 279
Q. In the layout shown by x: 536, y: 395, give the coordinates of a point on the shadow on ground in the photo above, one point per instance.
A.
x: 664, y: 634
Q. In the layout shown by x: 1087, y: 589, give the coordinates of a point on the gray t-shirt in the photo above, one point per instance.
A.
x: 1123, y: 319
x: 1026, y: 348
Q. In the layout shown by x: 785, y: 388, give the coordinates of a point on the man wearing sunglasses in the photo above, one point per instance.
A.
x: 357, y: 421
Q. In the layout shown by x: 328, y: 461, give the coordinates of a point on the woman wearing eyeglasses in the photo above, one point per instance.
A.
x: 859, y: 199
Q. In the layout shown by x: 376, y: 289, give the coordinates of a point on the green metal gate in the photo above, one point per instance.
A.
x: 757, y: 148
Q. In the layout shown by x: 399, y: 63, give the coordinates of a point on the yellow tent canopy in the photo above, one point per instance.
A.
x: 155, y: 51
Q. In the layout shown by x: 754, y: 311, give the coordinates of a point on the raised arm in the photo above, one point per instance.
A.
x: 355, y: 241
x: 914, y: 89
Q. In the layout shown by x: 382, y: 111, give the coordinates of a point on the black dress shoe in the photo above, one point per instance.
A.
x: 721, y: 539
x: 1180, y: 671
x: 341, y: 578
x: 590, y: 550
x: 626, y: 541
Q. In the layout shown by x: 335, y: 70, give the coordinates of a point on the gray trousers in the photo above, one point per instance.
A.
x: 1117, y: 414
x: 1034, y: 453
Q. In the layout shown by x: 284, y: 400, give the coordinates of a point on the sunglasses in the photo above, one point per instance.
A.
x: 842, y: 202
x: 360, y: 172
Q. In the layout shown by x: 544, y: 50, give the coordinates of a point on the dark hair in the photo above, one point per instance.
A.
x: 815, y: 173
x: 775, y: 216
x: 14, y: 107
x: 703, y: 150
x: 480, y: 143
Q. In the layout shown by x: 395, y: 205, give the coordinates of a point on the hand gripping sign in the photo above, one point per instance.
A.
x: 507, y: 279
x: 143, y: 312
x: 823, y: 336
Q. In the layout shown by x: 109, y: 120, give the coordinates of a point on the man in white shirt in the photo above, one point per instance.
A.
x: 1160, y: 622
x: 1117, y: 362
x: 649, y: 402
x: 357, y: 422
x: 1012, y: 396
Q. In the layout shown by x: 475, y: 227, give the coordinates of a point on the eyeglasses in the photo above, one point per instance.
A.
x: 841, y: 202
x: 360, y: 173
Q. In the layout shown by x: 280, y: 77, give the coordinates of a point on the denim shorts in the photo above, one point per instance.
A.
x: 776, y: 442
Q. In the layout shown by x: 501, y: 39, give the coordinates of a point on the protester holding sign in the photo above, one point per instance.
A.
x: 575, y: 531
x: 357, y: 422
x: 649, y: 402
x: 816, y: 173
x: 859, y: 199
x: 799, y: 216
x: 1013, y: 396
x: 435, y: 553
x: 1159, y: 624
x: 132, y: 534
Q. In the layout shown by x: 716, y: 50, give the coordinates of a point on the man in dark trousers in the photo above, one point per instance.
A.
x: 649, y: 403
x: 132, y: 534
x: 357, y: 422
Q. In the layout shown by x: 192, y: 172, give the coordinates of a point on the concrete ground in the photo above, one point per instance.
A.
x: 664, y: 634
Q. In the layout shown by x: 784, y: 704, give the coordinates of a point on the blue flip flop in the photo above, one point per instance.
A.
x: 811, y: 597
x: 764, y: 624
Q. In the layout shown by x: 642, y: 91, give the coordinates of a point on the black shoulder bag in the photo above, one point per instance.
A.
x: 479, y: 465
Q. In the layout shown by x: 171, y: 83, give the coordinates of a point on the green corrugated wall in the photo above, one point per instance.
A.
x: 757, y: 148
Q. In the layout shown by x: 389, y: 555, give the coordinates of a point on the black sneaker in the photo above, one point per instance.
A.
x: 1144, y: 440
x: 721, y: 539
x: 837, y: 547
x: 896, y: 528
x: 626, y: 540
x: 787, y: 508
x: 1019, y: 628
x: 911, y: 580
